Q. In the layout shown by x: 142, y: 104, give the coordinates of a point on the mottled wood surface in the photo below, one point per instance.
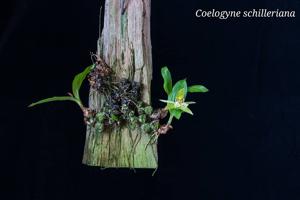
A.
x: 125, y: 45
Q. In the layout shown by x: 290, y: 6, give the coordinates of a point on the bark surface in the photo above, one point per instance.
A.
x: 125, y: 45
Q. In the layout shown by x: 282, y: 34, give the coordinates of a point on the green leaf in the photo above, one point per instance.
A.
x: 78, y: 79
x: 179, y: 90
x: 176, y: 113
x: 197, y: 88
x: 63, y: 98
x: 167, y: 80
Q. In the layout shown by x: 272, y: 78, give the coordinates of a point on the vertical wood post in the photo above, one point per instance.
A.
x: 125, y: 45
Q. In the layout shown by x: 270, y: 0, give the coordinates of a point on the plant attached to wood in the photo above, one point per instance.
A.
x: 122, y: 126
x: 122, y: 105
x: 75, y: 97
x: 176, y: 104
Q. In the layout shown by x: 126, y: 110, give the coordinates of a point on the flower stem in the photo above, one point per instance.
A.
x: 170, y: 119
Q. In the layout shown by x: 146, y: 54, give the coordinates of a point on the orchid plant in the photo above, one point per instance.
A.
x: 74, y: 96
x: 176, y: 104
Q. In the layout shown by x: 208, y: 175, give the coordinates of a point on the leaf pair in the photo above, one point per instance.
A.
x: 177, y: 94
x: 168, y: 87
x: 76, y: 85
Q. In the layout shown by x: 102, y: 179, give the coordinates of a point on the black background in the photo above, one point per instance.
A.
x: 243, y: 142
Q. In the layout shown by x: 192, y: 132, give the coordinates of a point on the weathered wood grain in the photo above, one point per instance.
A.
x: 125, y: 45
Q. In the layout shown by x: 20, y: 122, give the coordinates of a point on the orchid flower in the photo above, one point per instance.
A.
x: 176, y: 103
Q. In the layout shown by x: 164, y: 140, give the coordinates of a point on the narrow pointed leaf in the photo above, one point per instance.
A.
x: 167, y: 80
x: 197, y: 88
x: 63, y: 98
x: 77, y: 81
